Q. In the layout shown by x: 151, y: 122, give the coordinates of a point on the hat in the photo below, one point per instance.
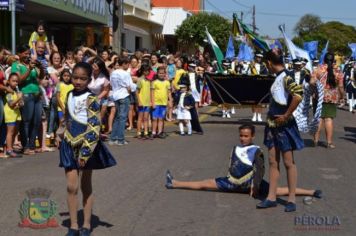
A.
x: 296, y: 62
x: 259, y: 55
x: 192, y: 64
x: 184, y: 81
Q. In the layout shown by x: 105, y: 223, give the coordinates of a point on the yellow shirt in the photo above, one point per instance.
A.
x: 35, y: 38
x: 63, y: 89
x: 144, y: 91
x: 161, y: 91
x: 176, y: 79
x: 11, y: 114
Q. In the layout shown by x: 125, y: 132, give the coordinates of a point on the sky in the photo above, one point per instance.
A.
x: 271, y: 13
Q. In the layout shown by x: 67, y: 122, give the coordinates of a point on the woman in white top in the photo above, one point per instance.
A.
x: 99, y: 84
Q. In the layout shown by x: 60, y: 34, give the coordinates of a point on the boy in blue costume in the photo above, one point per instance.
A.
x: 245, y: 173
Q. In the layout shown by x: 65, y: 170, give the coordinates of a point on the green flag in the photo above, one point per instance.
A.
x: 218, y: 54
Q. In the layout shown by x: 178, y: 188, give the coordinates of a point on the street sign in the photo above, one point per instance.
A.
x: 5, y: 5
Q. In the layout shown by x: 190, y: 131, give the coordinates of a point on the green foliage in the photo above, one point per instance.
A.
x: 307, y: 24
x: 192, y: 30
x: 338, y: 34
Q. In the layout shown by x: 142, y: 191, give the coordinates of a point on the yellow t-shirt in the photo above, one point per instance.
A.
x: 144, y: 92
x: 176, y: 79
x: 161, y: 90
x: 63, y: 89
x: 11, y: 114
x: 35, y: 38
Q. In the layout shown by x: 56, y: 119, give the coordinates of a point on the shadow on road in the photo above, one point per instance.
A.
x: 350, y: 134
x: 95, y: 220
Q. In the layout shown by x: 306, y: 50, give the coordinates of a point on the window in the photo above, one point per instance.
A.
x: 138, y: 43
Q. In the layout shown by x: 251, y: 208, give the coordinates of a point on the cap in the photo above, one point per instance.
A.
x: 259, y: 55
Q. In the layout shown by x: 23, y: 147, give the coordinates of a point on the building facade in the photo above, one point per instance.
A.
x: 193, y: 6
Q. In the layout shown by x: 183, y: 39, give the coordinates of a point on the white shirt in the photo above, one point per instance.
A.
x: 97, y: 85
x: 120, y: 81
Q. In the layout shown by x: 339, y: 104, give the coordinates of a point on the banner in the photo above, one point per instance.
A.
x: 230, y: 50
x: 218, y: 54
x: 322, y: 55
x: 353, y: 50
x: 312, y: 48
x: 245, y: 53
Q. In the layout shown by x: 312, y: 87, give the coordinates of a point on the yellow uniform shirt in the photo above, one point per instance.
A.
x: 63, y: 89
x: 144, y: 92
x: 161, y: 91
x: 35, y: 38
x: 11, y: 114
x: 176, y: 79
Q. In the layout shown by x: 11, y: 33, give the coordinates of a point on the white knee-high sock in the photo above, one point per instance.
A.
x: 189, y: 126
x: 181, y: 127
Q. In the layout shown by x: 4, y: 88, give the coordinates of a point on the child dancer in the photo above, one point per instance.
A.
x: 63, y: 88
x: 143, y: 93
x: 184, y: 101
x: 245, y: 172
x: 12, y: 113
x: 161, y: 95
x: 81, y: 151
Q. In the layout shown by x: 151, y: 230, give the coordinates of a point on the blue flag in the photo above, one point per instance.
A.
x: 312, y: 48
x: 245, y: 53
x: 353, y: 50
x: 323, y: 53
x: 230, y: 50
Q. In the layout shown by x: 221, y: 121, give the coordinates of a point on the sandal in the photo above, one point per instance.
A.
x: 47, y: 149
x: 3, y: 156
x: 29, y: 152
x: 12, y: 154
x: 331, y: 146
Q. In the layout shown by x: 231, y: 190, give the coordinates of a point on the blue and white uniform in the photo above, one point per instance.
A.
x: 81, y: 135
x: 284, y: 136
x: 246, y: 167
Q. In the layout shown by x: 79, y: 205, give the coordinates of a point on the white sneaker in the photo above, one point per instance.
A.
x: 233, y: 110
x: 254, y: 118
x: 228, y: 115
x: 224, y: 114
x: 259, y: 118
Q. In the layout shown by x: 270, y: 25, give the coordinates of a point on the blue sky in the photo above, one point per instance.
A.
x: 271, y: 13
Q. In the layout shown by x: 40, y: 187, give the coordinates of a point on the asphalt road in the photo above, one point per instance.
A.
x: 130, y: 199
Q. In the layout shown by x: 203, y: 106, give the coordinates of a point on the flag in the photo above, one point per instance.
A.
x: 323, y: 53
x: 312, y: 48
x: 218, y: 54
x: 274, y: 43
x: 245, y: 53
x: 353, y: 50
x: 295, y: 51
x: 236, y: 30
x: 255, y: 40
x: 230, y: 50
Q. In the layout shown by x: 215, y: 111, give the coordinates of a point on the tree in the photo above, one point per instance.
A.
x: 338, y: 34
x: 192, y: 30
x: 307, y: 24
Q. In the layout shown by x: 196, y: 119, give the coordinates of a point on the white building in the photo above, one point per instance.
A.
x: 139, y: 30
x: 171, y: 19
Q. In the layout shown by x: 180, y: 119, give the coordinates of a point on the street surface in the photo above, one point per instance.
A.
x: 130, y: 199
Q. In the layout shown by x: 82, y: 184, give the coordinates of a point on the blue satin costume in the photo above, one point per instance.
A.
x: 285, y: 136
x: 81, y: 135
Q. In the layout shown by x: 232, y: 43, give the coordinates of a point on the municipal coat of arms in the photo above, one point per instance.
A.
x: 37, y: 211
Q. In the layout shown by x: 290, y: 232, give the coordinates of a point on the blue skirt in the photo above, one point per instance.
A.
x: 285, y: 138
x: 100, y: 159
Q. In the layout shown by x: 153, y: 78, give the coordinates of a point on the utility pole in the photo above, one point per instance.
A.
x: 13, y: 25
x: 202, y: 5
x: 116, y: 25
x: 254, y: 19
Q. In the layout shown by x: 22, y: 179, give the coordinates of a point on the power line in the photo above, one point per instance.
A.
x: 217, y: 9
x: 242, y: 5
x: 291, y: 15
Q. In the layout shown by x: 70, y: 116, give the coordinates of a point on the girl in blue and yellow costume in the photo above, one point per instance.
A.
x: 281, y: 132
x: 81, y: 151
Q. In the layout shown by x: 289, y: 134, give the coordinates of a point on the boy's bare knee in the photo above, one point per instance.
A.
x: 72, y: 188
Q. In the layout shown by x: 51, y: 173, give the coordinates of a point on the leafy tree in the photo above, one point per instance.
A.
x: 338, y: 34
x: 192, y: 30
x: 307, y: 24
